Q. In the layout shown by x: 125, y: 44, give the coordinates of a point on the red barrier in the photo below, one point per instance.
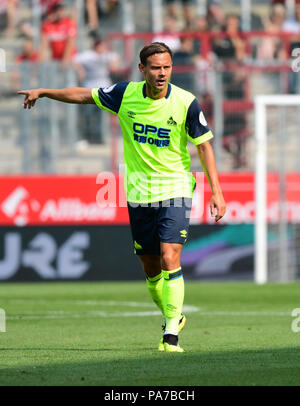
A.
x: 206, y: 39
x: 99, y: 200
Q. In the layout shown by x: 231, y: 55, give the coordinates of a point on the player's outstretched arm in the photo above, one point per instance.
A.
x: 77, y: 95
x: 208, y: 162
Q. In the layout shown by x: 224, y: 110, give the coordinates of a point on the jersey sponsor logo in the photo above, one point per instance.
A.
x: 171, y: 121
x: 108, y: 89
x: 202, y: 119
x: 142, y: 139
x: 151, y: 129
x: 143, y: 132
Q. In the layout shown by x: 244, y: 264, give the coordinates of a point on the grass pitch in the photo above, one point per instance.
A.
x: 107, y: 334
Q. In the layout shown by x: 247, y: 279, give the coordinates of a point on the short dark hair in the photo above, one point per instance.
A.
x: 154, y: 48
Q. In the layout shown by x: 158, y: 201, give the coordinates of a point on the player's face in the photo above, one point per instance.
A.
x: 157, y: 71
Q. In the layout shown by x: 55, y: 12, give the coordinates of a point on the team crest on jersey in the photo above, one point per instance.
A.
x: 171, y: 121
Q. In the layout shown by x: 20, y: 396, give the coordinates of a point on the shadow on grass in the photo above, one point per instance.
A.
x: 274, y: 366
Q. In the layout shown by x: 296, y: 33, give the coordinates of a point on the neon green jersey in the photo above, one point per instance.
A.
x: 155, y: 136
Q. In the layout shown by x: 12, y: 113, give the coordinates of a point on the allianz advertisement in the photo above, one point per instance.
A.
x: 77, y: 228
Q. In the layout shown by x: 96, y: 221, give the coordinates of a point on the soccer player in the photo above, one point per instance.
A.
x: 157, y: 119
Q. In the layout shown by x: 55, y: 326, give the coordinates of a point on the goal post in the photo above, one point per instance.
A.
x: 261, y: 104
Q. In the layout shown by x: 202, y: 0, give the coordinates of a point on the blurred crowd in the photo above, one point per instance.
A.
x: 59, y: 27
x: 229, y: 50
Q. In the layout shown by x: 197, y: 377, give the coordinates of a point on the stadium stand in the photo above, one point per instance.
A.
x: 224, y: 83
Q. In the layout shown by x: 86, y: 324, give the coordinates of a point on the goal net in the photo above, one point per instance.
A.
x: 277, y: 188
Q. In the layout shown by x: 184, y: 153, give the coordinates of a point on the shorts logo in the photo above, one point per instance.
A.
x: 137, y: 246
x: 183, y: 233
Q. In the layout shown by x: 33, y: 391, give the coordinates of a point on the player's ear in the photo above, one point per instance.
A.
x: 141, y: 68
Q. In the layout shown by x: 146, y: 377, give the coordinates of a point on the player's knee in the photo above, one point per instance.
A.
x: 170, y: 256
x: 151, y: 265
x: 169, y: 260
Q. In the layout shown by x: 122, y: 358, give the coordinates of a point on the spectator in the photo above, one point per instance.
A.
x: 215, y: 14
x: 183, y: 58
x: 8, y: 16
x: 94, y: 68
x: 96, y: 9
x: 170, y: 36
x: 91, y: 9
x: 232, y: 49
x: 59, y: 34
x: 28, y: 52
x: 199, y: 26
x: 26, y: 29
x: 187, y: 11
x: 231, y: 46
x: 271, y: 47
x: 288, y: 4
x: 292, y: 26
x: 47, y: 7
x: 204, y: 77
x: 216, y: 17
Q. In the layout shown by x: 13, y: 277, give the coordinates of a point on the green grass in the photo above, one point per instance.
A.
x: 106, y: 334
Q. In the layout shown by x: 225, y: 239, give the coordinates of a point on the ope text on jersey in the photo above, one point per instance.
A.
x: 141, y: 132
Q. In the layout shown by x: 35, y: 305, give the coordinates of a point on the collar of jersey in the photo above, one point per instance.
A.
x: 167, y: 95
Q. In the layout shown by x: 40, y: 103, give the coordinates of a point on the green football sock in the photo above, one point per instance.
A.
x: 172, y: 298
x: 155, y: 286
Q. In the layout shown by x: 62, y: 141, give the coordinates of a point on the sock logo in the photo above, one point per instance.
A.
x: 171, y: 307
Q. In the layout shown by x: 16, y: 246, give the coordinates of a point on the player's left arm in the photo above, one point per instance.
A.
x: 208, y: 162
x: 200, y: 134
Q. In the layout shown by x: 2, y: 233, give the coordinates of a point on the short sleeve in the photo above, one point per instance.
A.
x: 110, y: 98
x: 196, y: 124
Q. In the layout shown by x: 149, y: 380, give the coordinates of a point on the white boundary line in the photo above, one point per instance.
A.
x: 99, y: 313
x: 65, y: 314
x: 70, y: 314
